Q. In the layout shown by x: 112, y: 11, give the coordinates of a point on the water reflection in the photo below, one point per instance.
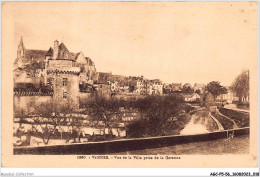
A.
x: 200, y: 122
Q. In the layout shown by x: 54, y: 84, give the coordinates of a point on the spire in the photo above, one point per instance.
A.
x: 21, y: 49
x: 21, y: 43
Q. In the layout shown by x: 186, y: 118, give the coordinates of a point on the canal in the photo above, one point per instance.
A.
x: 200, y: 122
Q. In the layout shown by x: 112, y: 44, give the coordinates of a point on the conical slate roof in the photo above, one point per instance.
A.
x: 50, y: 52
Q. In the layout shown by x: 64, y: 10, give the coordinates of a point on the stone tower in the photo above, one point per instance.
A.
x: 63, y: 76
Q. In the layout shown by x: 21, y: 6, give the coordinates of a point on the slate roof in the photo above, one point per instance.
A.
x: 155, y: 81
x: 50, y: 52
x: 91, y: 63
x: 77, y: 55
x: 197, y: 85
x: 40, y: 65
x: 72, y: 56
x: 38, y: 55
x: 35, y: 65
x: 62, y: 47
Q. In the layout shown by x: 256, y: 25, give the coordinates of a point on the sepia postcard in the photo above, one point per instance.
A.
x: 129, y: 84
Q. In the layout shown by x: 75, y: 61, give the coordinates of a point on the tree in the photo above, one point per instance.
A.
x: 48, y: 116
x: 20, y: 114
x: 131, y: 88
x: 208, y: 100
x: 198, y: 91
x: 74, y: 122
x: 137, y: 128
x: 216, y: 89
x: 155, y: 113
x: 105, y: 111
x: 188, y: 90
x: 241, y: 85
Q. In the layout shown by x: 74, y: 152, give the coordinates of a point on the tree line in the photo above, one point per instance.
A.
x: 156, y: 116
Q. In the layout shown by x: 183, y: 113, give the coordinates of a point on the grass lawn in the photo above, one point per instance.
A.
x: 236, y: 145
x: 241, y: 118
x: 226, y: 123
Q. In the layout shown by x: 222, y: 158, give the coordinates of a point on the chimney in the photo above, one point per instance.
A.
x: 56, y: 49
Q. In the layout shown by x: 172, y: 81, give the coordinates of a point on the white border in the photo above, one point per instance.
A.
x: 125, y: 171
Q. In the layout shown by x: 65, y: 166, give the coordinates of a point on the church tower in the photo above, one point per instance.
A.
x: 21, y: 49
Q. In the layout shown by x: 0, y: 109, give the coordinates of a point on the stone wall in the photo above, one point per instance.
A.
x: 123, y: 145
x: 59, y: 64
x: 23, y: 103
x: 71, y: 89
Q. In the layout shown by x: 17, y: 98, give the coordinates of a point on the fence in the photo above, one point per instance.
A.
x: 122, y: 145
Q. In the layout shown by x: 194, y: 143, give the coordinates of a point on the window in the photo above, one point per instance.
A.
x: 65, y: 81
x: 65, y: 94
x: 50, y: 81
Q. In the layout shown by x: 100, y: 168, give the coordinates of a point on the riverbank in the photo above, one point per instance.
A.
x: 242, y: 119
x: 237, y: 108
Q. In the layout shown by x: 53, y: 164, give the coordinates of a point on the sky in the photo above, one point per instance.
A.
x: 177, y: 42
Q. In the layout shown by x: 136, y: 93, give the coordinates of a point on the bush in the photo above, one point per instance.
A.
x: 188, y: 108
x: 137, y: 128
x: 155, y: 112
